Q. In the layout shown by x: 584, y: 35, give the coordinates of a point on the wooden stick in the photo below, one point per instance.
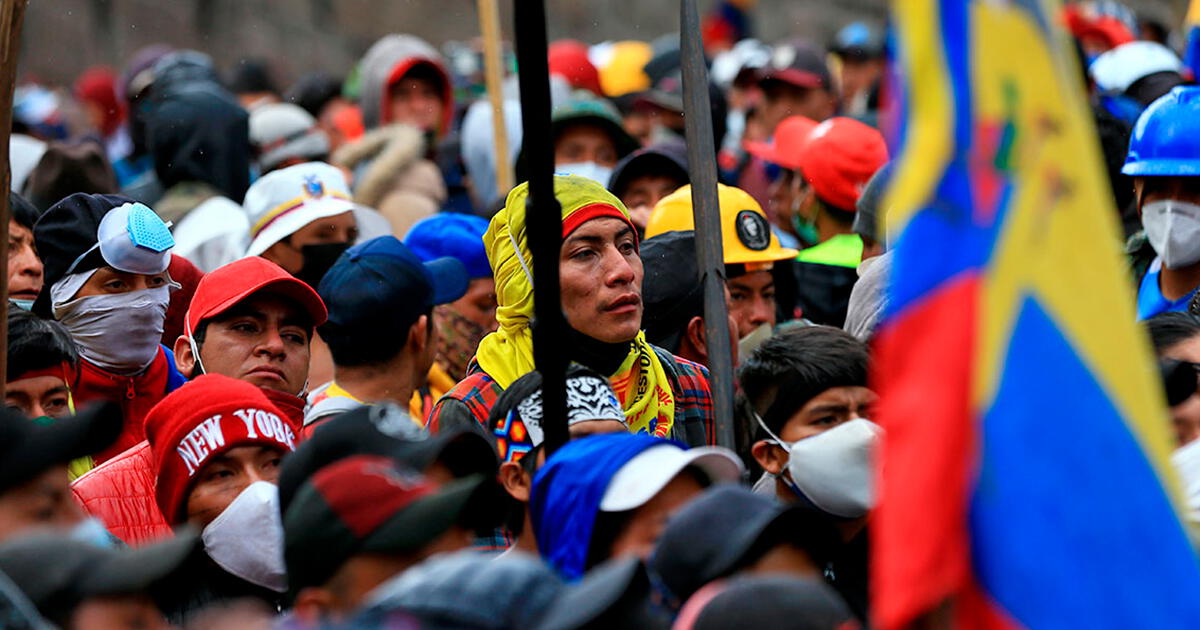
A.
x: 493, y: 66
x: 12, y: 14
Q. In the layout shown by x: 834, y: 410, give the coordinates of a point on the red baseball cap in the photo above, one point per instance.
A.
x: 784, y: 148
x: 225, y: 286
x: 841, y: 154
x: 569, y: 59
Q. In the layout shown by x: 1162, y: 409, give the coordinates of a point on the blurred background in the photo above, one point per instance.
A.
x: 63, y: 37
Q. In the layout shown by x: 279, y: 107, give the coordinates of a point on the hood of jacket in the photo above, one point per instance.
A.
x: 196, y: 130
x: 387, y: 61
x: 379, y: 161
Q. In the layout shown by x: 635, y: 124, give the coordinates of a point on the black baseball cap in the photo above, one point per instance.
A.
x: 381, y: 286
x: 727, y: 528
x: 615, y: 594
x: 28, y: 449
x: 668, y: 159
x: 367, y: 504
x: 389, y: 431
x: 799, y: 64
x: 774, y: 601
x: 672, y: 293
x: 58, y: 573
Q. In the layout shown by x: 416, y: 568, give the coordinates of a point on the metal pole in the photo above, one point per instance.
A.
x: 702, y: 164
x: 12, y: 14
x: 489, y: 23
x: 543, y: 218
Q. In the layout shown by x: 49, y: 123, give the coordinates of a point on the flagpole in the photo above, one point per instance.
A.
x: 12, y: 14
x: 543, y: 218
x: 493, y: 65
x: 702, y: 167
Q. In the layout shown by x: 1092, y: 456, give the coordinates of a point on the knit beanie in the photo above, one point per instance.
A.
x: 201, y: 420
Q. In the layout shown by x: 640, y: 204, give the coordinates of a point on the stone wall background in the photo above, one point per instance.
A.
x: 62, y: 37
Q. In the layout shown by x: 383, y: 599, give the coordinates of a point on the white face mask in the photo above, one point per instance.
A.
x: 832, y: 469
x: 1173, y: 229
x: 247, y: 538
x: 91, y: 531
x: 590, y: 170
x: 118, y: 332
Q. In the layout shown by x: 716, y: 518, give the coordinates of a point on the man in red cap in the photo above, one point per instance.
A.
x: 216, y: 445
x: 249, y: 320
x: 787, y: 190
x: 836, y: 161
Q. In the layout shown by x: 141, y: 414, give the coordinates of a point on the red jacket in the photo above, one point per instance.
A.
x: 136, y: 395
x: 120, y: 492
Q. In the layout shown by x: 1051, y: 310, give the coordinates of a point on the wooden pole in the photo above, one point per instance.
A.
x: 493, y: 66
x: 12, y: 14
x: 702, y: 164
x: 543, y: 219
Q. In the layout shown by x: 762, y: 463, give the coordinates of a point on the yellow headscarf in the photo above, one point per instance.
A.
x: 640, y: 383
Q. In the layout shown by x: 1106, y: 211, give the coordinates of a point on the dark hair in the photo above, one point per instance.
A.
x: 1168, y: 329
x: 843, y: 217
x: 792, y: 367
x: 22, y: 211
x: 36, y: 344
x: 372, y: 347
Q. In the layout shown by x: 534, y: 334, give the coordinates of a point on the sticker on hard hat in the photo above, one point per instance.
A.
x: 752, y: 230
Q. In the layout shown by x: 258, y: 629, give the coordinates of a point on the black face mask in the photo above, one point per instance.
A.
x: 317, y: 261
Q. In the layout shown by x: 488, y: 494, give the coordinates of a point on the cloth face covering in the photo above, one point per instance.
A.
x: 590, y: 170
x: 832, y: 469
x: 318, y: 259
x: 1173, y: 229
x: 247, y: 538
x: 458, y: 337
x: 640, y: 382
x: 119, y: 332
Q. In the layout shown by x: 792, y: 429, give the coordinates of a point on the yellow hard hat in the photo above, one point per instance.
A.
x: 745, y: 233
x: 623, y: 72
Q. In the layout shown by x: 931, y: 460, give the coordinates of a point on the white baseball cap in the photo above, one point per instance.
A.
x: 281, y: 202
x: 651, y: 470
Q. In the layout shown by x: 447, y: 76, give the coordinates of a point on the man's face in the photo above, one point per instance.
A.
x: 340, y: 228
x: 858, y: 75
x: 264, y: 340
x: 784, y: 99
x: 224, y: 477
x: 1185, y: 419
x: 584, y: 142
x: 1186, y: 350
x: 109, y: 281
x: 478, y: 304
x: 1162, y: 188
x: 644, y: 192
x: 416, y: 101
x: 38, y: 396
x: 785, y: 192
x: 24, y: 266
x: 647, y: 522
x: 752, y: 301
x: 118, y: 612
x: 600, y: 275
x: 44, y: 501
x: 828, y: 409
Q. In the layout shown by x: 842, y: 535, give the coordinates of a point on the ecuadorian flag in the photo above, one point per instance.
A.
x: 1027, y: 482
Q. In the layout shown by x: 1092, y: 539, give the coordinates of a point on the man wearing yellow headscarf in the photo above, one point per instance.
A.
x: 600, y: 277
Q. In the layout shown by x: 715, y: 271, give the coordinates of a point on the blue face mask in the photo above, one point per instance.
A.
x: 25, y: 305
x: 91, y: 531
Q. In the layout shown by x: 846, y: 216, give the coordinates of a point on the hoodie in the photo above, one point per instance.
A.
x: 387, y: 62
x: 567, y: 491
x: 197, y: 131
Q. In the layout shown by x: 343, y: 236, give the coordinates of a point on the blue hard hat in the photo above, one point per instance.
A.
x: 1165, y: 138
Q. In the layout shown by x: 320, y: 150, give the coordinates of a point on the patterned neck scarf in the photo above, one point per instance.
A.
x: 458, y: 338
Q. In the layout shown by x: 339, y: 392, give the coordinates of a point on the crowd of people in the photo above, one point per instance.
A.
x: 270, y: 361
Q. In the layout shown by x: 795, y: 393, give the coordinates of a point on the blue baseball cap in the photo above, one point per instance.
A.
x: 383, y: 284
x: 452, y: 234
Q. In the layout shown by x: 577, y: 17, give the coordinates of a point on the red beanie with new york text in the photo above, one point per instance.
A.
x: 201, y: 420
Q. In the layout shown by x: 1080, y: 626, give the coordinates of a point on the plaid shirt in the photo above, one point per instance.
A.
x: 473, y: 397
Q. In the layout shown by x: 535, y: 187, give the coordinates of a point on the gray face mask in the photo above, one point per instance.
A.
x: 120, y: 332
x: 833, y: 469
x: 1173, y: 229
